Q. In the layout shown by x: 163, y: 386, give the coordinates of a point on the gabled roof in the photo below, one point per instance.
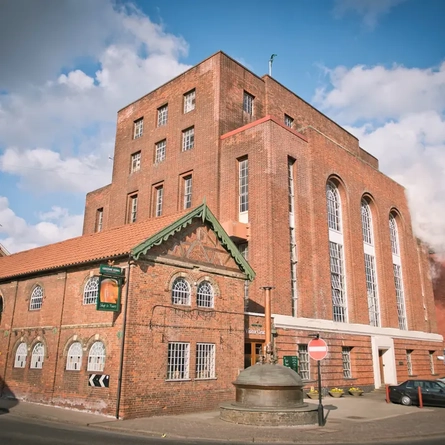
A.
x: 113, y: 243
x: 207, y: 217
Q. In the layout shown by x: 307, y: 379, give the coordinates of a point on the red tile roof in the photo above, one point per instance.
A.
x: 107, y: 244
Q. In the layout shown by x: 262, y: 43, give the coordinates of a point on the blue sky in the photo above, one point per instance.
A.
x: 375, y: 66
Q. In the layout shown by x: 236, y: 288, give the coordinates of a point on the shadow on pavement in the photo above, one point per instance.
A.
x: 7, y: 398
x: 327, y: 410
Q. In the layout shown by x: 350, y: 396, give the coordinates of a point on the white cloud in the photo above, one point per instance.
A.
x: 370, y: 10
x: 405, y: 110
x: 54, y: 226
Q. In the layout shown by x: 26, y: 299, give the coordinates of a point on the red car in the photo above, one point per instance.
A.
x: 433, y: 392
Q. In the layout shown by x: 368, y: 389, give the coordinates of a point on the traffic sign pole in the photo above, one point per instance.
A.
x: 318, y: 349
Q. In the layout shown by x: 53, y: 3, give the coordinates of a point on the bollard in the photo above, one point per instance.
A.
x: 419, y: 392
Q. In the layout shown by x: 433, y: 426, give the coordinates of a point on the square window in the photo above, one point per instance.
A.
x: 189, y: 101
x: 162, y: 115
x: 188, y: 139
x: 248, y: 103
x: 160, y: 151
x: 135, y: 162
x: 288, y: 121
x: 138, y: 128
x: 178, y: 361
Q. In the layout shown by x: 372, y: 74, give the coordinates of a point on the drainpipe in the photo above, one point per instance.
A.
x: 124, y: 325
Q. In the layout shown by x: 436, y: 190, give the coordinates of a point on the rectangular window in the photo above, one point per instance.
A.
x: 138, y: 128
x: 303, y: 362
x: 132, y: 208
x: 162, y: 115
x: 135, y: 162
x: 400, y: 298
x: 288, y: 121
x: 431, y: 357
x: 178, y: 361
x: 189, y: 101
x: 243, y: 185
x: 409, y: 362
x: 161, y: 148
x: 346, y: 359
x: 339, y: 309
x: 205, y: 361
x: 187, y: 191
x: 248, y: 103
x: 188, y: 139
x: 99, y: 219
x: 159, y: 200
x: 371, y: 287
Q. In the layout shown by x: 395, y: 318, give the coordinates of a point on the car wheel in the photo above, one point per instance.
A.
x: 406, y: 401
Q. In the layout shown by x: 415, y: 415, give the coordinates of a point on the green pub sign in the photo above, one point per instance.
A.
x: 110, y: 286
x: 291, y: 361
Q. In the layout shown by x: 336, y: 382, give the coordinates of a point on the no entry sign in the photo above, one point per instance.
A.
x: 317, y: 348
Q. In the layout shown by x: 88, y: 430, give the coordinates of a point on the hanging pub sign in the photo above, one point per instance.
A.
x: 110, y: 286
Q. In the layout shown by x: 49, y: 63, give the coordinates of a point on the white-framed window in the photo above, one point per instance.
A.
x: 205, y: 294
x: 188, y: 139
x: 288, y: 121
x: 243, y: 175
x: 393, y: 233
x: 162, y: 115
x: 248, y: 101
x: 366, y: 223
x: 91, y: 291
x: 346, y: 359
x: 36, y: 299
x: 133, y: 210
x: 161, y: 149
x: 135, y: 162
x: 74, y: 357
x: 431, y: 358
x: 181, y: 292
x: 96, y: 357
x: 339, y: 303
x: 138, y: 128
x: 187, y: 191
x: 99, y: 219
x: 409, y: 361
x: 292, y: 234
x: 159, y: 200
x: 334, y: 209
x: 178, y: 360
x: 20, y: 356
x: 189, y: 101
x: 37, y: 356
x: 304, y: 367
x: 205, y: 361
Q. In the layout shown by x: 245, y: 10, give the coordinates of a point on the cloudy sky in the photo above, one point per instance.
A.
x: 375, y: 66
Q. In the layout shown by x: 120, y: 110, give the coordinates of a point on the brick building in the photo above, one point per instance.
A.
x: 300, y: 199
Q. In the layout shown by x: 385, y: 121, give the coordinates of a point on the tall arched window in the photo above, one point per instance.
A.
x: 336, y: 256
x: 204, y: 294
x: 181, y: 292
x: 96, y: 357
x: 36, y: 299
x: 74, y: 357
x: 397, y: 268
x: 37, y: 356
x: 20, y: 355
x: 91, y: 290
x: 370, y: 268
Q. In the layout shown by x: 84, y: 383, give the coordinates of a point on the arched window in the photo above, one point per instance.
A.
x: 96, y: 357
x: 181, y: 292
x: 336, y: 256
x: 91, y: 291
x: 74, y: 358
x: 370, y: 267
x: 36, y: 299
x: 37, y: 356
x: 204, y: 295
x: 20, y: 356
x: 397, y: 269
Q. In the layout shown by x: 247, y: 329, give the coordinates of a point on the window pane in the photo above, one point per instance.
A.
x: 178, y: 361
x: 91, y: 290
x: 36, y: 299
x: 205, y: 361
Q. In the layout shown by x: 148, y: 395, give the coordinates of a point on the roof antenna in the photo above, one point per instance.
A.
x: 270, y: 63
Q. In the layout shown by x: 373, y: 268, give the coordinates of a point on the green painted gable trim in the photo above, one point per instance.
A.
x: 207, y: 217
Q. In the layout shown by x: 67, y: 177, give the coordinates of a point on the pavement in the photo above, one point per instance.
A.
x: 364, y: 419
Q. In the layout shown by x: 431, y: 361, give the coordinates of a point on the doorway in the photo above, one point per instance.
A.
x: 253, y: 350
x: 382, y: 366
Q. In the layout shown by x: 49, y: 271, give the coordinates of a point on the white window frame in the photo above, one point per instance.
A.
x: 37, y: 356
x: 138, y: 128
x: 248, y: 103
x: 74, y: 357
x: 431, y: 358
x: 135, y: 162
x: 178, y: 361
x: 409, y: 362
x: 205, y: 294
x: 346, y: 361
x: 159, y: 191
x: 181, y: 292
x: 205, y: 361
x: 21, y: 354
x: 288, y: 121
x: 243, y: 189
x: 188, y: 139
x: 304, y: 363
x: 99, y: 219
x: 394, y: 235
x: 161, y: 150
x: 96, y: 357
x: 133, y: 208
x: 292, y: 234
x: 189, y: 101
x: 91, y: 291
x: 162, y: 115
x: 36, y: 299
x: 188, y: 183
x: 334, y: 207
